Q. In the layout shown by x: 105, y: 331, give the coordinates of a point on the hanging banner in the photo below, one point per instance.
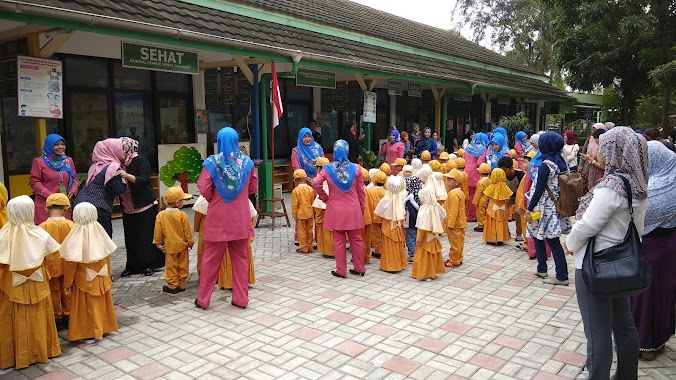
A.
x: 395, y: 87
x: 39, y: 87
x: 148, y: 57
x: 369, y: 107
x: 415, y: 90
x: 312, y: 78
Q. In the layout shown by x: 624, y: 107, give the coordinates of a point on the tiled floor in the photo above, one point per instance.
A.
x: 489, y: 319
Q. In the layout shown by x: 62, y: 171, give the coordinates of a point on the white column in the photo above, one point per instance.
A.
x: 393, y: 113
x: 198, y: 91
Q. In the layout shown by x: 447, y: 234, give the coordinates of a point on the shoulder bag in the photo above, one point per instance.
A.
x: 621, y: 270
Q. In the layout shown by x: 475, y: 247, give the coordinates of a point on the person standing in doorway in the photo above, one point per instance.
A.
x: 315, y: 135
x: 451, y: 140
x: 354, y: 141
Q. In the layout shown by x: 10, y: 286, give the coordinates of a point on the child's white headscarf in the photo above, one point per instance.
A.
x: 436, y: 183
x: 417, y: 164
x: 23, y: 245
x: 87, y: 242
x: 431, y: 215
x: 392, y: 205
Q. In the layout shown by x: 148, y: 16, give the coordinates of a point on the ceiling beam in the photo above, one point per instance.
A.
x: 360, y: 79
x: 21, y: 32
x: 264, y: 69
x: 231, y: 63
x: 244, y: 67
x: 54, y: 44
x: 372, y: 85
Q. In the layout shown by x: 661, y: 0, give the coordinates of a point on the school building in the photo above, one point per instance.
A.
x: 176, y: 71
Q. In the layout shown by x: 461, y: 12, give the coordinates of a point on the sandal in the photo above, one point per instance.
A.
x: 448, y: 264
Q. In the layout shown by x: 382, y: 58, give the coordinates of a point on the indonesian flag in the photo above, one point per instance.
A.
x: 275, y: 99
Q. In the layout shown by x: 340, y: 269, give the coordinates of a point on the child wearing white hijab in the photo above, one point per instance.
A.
x: 86, y: 250
x: 428, y: 261
x: 391, y: 209
x: 25, y: 308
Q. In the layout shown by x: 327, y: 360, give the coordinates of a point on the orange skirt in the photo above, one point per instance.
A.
x: 393, y: 255
x: 225, y: 274
x: 496, y: 228
x: 7, y: 339
x: 91, y: 316
x: 35, y: 338
x: 427, y: 261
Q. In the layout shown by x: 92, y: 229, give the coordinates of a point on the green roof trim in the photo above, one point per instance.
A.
x: 351, y: 36
x: 591, y: 99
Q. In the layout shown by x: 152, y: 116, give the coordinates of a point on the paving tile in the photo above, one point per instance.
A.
x: 61, y: 374
x: 351, y: 348
x: 401, y: 365
x: 431, y: 344
x: 151, y: 371
x: 511, y: 342
x: 551, y: 303
x: 369, y: 304
x: 306, y: 333
x: 117, y: 354
x: 570, y: 358
x: 488, y: 362
x: 457, y: 327
x: 410, y: 314
x: 340, y: 317
x: 383, y: 330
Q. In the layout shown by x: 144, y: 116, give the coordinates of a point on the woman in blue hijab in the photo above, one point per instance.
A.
x: 226, y: 181
x: 497, y: 149
x: 521, y: 145
x: 345, y: 203
x: 426, y: 144
x: 305, y: 154
x: 53, y: 172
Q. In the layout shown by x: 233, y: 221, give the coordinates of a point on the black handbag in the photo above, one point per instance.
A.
x: 621, y: 270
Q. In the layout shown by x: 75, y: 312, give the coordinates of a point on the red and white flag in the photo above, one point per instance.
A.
x: 275, y: 99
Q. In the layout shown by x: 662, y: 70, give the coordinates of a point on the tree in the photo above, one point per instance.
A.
x: 185, y: 167
x: 516, y: 123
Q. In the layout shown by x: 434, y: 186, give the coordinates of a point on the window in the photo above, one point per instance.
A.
x: 86, y: 72
x: 170, y: 82
x: 21, y: 136
x: 173, y: 120
x: 134, y: 118
x: 89, y: 123
x: 131, y: 79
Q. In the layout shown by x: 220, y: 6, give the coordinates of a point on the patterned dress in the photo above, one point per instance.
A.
x: 551, y: 224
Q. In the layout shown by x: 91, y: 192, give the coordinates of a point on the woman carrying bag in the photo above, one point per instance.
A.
x: 604, y: 216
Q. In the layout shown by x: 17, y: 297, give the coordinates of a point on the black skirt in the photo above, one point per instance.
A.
x: 138, y: 238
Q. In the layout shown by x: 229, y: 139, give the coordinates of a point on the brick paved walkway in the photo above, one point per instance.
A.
x: 489, y: 319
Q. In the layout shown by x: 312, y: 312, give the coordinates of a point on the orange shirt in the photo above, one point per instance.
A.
x: 58, y: 228
x: 455, y: 209
x: 302, y: 198
x: 373, y: 197
x: 172, y: 229
x: 464, y: 185
x: 479, y: 196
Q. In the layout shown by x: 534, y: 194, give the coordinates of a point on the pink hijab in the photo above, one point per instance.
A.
x: 108, y: 153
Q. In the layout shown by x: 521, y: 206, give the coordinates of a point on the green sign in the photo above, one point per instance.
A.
x: 312, y: 78
x: 157, y: 58
x: 415, y: 89
x: 395, y: 87
x: 462, y: 97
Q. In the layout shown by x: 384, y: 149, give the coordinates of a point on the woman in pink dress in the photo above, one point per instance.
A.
x: 475, y: 155
x: 54, y: 172
x: 226, y: 181
x: 393, y: 148
x: 344, y: 208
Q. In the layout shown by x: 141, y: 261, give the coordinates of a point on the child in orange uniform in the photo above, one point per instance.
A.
x: 391, y: 210
x: 86, y: 251
x: 480, y: 200
x: 386, y: 168
x: 496, y: 230
x: 225, y: 274
x: 428, y: 261
x: 200, y: 207
x: 456, y: 218
x: 58, y: 228
x: 28, y: 333
x: 301, y: 210
x: 6, y: 345
x: 174, y: 237
x: 323, y: 237
x: 398, y: 165
x: 373, y: 197
x: 366, y: 231
x: 464, y: 185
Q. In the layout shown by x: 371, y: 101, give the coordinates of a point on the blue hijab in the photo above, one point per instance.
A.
x: 519, y: 137
x: 57, y: 162
x: 308, y: 154
x: 501, y: 131
x: 478, y: 145
x: 341, y: 170
x: 493, y: 156
x: 229, y: 168
x: 551, y: 145
x: 397, y: 137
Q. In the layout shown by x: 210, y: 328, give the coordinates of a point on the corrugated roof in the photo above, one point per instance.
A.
x: 177, y: 14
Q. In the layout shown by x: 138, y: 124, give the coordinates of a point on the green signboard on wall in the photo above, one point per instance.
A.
x: 415, y: 89
x: 312, y: 78
x: 148, y: 57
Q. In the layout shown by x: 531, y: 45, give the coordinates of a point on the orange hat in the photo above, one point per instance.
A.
x: 365, y: 175
x: 380, y: 177
x: 321, y: 161
x: 385, y: 168
x: 175, y: 194
x: 455, y: 174
x: 57, y: 199
x: 460, y: 152
x: 443, y: 156
x: 512, y: 153
x: 299, y: 173
x: 450, y: 165
x: 425, y: 156
x: 484, y: 168
x: 460, y: 163
x: 400, y: 162
x: 435, y: 165
x: 531, y: 154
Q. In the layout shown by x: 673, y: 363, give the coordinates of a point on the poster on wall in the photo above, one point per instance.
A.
x: 201, y: 122
x: 39, y: 87
x: 369, y: 107
x: 181, y: 165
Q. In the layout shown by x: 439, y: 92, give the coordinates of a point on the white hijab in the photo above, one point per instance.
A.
x: 392, y: 205
x: 431, y: 215
x: 87, y: 242
x: 23, y: 245
x: 437, y: 184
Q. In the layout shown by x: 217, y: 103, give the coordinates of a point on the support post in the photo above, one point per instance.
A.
x: 368, y: 127
x: 265, y: 171
x: 40, y: 123
x: 255, y: 116
x: 444, y: 117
